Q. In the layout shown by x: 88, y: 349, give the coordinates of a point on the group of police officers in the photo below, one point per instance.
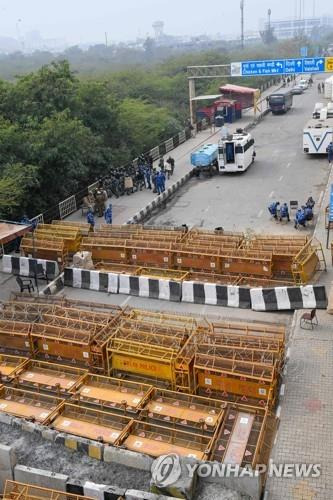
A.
x: 145, y: 175
x: 302, y: 216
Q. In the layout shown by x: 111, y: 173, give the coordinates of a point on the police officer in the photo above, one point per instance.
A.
x: 329, y: 151
x: 100, y: 197
x: 300, y: 219
x: 273, y: 208
x: 108, y: 214
x: 284, y: 212
x: 91, y: 219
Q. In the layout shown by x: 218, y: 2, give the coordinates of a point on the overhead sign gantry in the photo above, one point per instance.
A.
x: 282, y: 66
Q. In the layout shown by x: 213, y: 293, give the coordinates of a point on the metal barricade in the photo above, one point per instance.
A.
x: 67, y: 207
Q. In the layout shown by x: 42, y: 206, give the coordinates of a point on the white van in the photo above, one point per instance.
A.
x: 304, y: 84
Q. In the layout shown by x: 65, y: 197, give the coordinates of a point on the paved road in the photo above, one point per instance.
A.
x: 281, y: 172
x: 126, y: 206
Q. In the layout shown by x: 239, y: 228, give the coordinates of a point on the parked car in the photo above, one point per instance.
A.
x: 297, y: 90
x: 304, y: 84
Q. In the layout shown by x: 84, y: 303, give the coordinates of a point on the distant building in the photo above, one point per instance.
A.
x: 289, y: 28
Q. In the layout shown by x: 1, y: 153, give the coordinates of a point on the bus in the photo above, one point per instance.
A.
x: 281, y: 101
x: 236, y: 152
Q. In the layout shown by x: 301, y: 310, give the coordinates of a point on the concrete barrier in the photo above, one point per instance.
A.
x: 213, y: 294
x: 26, y: 266
x: 153, y: 288
x: 91, y: 280
x: 40, y: 477
x: 54, y: 287
x: 7, y: 464
x: 144, y: 495
x: 159, y: 200
x: 127, y: 458
x: 289, y: 298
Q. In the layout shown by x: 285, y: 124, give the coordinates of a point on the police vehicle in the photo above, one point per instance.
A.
x: 317, y: 134
x: 236, y: 152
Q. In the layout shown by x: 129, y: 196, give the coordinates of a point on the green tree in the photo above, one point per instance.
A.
x: 16, y: 183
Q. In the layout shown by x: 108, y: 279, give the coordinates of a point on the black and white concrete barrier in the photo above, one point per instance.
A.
x: 152, y: 288
x: 288, y: 298
x: 27, y: 266
x: 217, y: 295
x: 91, y: 280
x: 54, y: 287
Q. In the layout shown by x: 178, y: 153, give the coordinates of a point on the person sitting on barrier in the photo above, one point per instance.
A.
x: 108, y: 214
x: 284, y: 212
x: 273, y: 208
x: 300, y: 218
x: 310, y: 203
x: 91, y: 219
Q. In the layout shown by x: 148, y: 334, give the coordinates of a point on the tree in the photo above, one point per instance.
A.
x: 16, y: 182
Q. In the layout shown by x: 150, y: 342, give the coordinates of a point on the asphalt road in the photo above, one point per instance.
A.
x: 281, y: 172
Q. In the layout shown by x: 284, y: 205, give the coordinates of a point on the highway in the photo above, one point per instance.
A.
x: 281, y: 172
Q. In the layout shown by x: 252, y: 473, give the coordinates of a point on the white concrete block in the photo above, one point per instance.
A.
x: 43, y: 478
x: 128, y: 458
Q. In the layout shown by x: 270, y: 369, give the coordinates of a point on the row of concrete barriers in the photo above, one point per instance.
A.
x: 258, y: 299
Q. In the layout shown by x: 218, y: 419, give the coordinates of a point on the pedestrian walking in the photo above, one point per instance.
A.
x: 171, y: 162
x: 108, y: 214
x: 319, y: 88
x: 322, y: 87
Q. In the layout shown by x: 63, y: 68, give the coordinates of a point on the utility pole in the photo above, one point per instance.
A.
x: 106, y: 39
x: 242, y: 22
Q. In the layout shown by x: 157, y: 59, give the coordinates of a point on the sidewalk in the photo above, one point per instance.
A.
x: 126, y: 206
x: 305, y: 432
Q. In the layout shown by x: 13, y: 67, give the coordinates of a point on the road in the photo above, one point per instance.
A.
x: 281, y: 172
x: 126, y: 206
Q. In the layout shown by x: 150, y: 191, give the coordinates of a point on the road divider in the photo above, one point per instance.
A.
x: 160, y: 200
x: 217, y: 295
x: 152, y: 288
x: 258, y: 299
x: 289, y: 298
x: 27, y: 266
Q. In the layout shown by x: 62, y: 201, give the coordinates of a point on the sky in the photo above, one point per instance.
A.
x: 84, y: 21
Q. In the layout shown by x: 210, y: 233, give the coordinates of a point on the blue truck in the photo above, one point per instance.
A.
x: 205, y: 159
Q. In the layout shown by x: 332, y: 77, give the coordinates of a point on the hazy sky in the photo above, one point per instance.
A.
x: 87, y: 20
